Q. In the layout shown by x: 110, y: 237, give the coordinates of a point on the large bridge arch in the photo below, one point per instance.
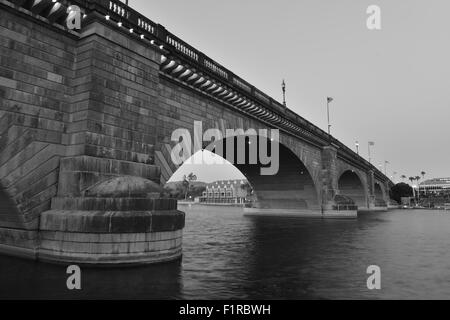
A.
x: 291, y: 187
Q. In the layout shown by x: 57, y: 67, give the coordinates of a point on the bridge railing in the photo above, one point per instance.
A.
x: 130, y: 18
x: 345, y: 207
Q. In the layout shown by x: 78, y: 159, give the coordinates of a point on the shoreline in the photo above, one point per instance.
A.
x: 191, y: 204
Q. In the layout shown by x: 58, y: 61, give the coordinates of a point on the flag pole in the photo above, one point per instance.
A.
x: 328, y: 112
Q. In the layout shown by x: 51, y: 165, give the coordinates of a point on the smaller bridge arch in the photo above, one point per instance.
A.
x: 351, y: 185
x: 381, y: 197
x: 379, y: 191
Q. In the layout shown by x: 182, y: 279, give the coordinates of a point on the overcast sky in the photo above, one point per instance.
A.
x: 390, y: 86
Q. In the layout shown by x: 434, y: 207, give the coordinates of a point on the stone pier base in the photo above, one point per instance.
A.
x: 372, y: 209
x: 110, y: 238
x: 301, y: 213
x: 122, y: 221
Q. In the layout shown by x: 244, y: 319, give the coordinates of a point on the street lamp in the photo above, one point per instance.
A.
x: 283, y: 87
x: 385, y: 167
x: 370, y: 144
x: 357, y: 147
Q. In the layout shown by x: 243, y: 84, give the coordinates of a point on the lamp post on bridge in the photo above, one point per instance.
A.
x: 283, y: 87
x: 370, y: 144
x: 357, y: 147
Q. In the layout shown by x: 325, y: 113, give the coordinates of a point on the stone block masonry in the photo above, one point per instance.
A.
x: 78, y: 110
x: 86, y: 119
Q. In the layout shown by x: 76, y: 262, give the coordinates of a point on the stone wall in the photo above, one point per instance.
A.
x: 36, y: 70
x: 79, y: 109
x: 76, y: 110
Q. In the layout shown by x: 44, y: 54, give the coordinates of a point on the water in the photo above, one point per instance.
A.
x: 229, y: 256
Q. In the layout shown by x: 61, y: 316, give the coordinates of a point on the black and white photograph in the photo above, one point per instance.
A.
x: 240, y: 150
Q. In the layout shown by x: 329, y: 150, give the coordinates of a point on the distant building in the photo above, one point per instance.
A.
x: 225, y: 192
x: 440, y: 186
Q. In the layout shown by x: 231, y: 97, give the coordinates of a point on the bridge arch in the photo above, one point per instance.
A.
x: 381, y: 197
x: 351, y: 185
x: 379, y: 191
x: 291, y: 187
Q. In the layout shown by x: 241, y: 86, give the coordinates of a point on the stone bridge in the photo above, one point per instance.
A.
x: 86, y: 118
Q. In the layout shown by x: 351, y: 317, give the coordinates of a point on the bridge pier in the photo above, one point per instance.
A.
x: 377, y: 200
x: 121, y: 221
x: 110, y: 212
x: 78, y: 182
x: 331, y: 206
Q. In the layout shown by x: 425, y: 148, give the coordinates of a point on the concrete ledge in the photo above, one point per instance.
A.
x: 110, y: 238
x: 112, y: 221
x: 343, y: 214
x: 372, y: 209
x: 19, y: 252
x: 111, y: 260
x: 113, y: 204
x: 305, y: 213
x: 74, y: 237
x: 110, y: 249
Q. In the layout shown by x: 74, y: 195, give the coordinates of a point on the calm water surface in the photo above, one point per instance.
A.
x: 229, y: 256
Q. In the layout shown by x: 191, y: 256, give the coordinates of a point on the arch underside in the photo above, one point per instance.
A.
x: 291, y: 188
x: 350, y: 186
x: 380, y: 198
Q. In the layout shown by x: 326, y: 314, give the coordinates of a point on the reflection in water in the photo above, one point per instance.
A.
x: 229, y: 256
x: 21, y: 279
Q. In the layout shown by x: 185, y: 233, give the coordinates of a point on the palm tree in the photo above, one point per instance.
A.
x: 187, y: 180
x: 412, y: 182
x: 418, y: 187
x: 423, y: 173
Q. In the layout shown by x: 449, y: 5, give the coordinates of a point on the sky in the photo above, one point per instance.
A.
x: 390, y: 86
